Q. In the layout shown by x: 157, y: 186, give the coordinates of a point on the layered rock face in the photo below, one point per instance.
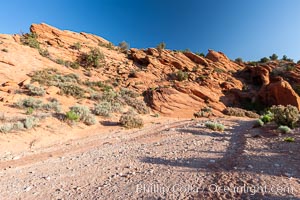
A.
x: 174, y: 83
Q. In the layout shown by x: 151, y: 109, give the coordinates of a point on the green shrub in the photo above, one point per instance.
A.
x: 289, y: 139
x: 35, y: 90
x: 215, y: 126
x: 30, y: 39
x: 29, y: 111
x: 84, y: 114
x: 72, y: 116
x: 30, y: 122
x: 285, y: 115
x: 268, y: 117
x: 181, y: 76
x: 131, y: 120
x: 93, y: 59
x: 284, y: 129
x: 259, y: 122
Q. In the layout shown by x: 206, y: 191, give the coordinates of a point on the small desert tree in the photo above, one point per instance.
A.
x: 264, y: 60
x: 239, y: 60
x: 273, y: 57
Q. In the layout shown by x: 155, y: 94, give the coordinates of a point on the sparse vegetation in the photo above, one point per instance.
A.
x: 68, y: 84
x: 84, y: 114
x: 130, y: 99
x: 124, y: 46
x: 30, y: 122
x: 52, y: 105
x: 181, y: 76
x: 32, y: 104
x: 103, y: 109
x: 35, y: 90
x: 76, y: 46
x: 215, y: 126
x: 30, y: 39
x: 70, y: 89
x: 131, y: 120
x: 239, y: 112
x: 285, y: 115
x: 44, y: 53
x: 204, y: 112
x: 94, y: 59
x: 161, y: 46
x: 29, y: 103
x: 219, y: 70
x: 20, y: 124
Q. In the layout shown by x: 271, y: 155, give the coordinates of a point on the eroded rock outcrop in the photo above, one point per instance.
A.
x: 279, y: 93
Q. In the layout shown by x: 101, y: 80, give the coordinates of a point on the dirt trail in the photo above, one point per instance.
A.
x: 180, y: 160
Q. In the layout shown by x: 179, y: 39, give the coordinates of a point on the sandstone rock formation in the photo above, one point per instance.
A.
x: 174, y: 83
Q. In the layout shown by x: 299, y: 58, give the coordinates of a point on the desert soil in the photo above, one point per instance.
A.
x: 180, y: 159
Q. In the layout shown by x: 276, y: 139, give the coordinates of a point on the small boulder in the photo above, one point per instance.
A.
x: 52, y: 90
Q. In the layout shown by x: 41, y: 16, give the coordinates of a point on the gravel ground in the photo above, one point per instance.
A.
x: 181, y: 160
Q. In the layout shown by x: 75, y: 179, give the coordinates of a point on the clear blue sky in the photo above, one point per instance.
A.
x: 250, y: 29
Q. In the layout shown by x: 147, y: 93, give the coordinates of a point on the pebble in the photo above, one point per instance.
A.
x: 250, y: 166
x: 276, y: 165
x: 212, y: 161
x: 16, y: 157
x: 27, y: 189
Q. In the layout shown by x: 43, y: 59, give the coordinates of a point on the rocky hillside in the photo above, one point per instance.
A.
x: 79, y: 68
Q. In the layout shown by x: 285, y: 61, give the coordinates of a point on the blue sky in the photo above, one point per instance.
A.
x: 250, y: 29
